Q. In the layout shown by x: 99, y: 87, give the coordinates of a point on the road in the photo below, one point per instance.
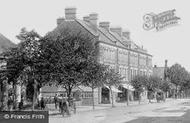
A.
x: 172, y: 111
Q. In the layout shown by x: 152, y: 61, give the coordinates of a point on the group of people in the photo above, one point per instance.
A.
x: 12, y: 105
x: 42, y: 104
x: 160, y: 97
x: 63, y: 105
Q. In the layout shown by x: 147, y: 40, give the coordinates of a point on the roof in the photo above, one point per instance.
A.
x: 55, y: 89
x: 5, y: 43
x: 105, y: 36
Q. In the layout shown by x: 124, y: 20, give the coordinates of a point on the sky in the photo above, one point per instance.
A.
x: 40, y: 15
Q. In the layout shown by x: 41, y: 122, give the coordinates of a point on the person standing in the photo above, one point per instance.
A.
x: 56, y: 101
x: 10, y: 103
x: 42, y: 104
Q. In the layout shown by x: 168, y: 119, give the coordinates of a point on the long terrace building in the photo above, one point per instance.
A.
x: 116, y: 49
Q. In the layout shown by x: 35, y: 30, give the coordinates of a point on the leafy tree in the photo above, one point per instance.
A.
x: 177, y: 75
x: 23, y: 60
x: 67, y: 52
x: 112, y: 79
x: 139, y: 83
x: 152, y: 85
x: 94, y: 76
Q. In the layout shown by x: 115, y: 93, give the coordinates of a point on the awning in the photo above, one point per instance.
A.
x: 128, y: 87
x: 113, y: 88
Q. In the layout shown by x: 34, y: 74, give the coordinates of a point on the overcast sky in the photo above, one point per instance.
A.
x: 40, y: 15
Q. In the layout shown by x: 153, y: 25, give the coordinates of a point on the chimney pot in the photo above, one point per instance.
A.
x: 118, y: 30
x: 93, y: 18
x: 126, y: 34
x: 104, y: 25
x: 166, y: 63
x: 70, y: 13
x: 86, y: 18
x: 59, y: 21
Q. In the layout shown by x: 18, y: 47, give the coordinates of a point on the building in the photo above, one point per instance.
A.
x: 5, y: 43
x: 160, y: 71
x: 116, y: 49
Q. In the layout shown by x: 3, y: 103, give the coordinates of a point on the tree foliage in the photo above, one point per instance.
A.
x: 139, y: 83
x: 153, y: 83
x: 177, y: 74
x: 68, y: 52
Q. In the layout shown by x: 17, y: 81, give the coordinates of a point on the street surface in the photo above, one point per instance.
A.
x: 171, y: 111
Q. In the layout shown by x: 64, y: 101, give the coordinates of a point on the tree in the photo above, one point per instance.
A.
x: 112, y: 79
x: 139, y: 83
x: 177, y: 75
x: 67, y: 52
x: 94, y: 76
x: 23, y: 60
x: 152, y: 84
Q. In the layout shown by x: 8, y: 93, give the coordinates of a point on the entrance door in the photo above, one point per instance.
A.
x: 105, y: 95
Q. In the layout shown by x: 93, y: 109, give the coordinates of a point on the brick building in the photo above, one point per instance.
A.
x: 116, y: 49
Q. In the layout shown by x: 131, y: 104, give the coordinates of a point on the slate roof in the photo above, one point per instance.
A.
x: 55, y: 89
x: 5, y: 43
x: 106, y: 36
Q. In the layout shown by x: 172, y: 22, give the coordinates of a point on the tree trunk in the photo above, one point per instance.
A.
x: 139, y: 97
x: 4, y: 98
x: 149, y: 96
x: 176, y: 92
x: 34, y: 94
x: 69, y: 95
x: 111, y: 97
x: 127, y: 97
x: 93, y: 105
x: 33, y: 99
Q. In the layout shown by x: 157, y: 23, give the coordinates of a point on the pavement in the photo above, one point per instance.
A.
x: 79, y: 109
x: 171, y: 111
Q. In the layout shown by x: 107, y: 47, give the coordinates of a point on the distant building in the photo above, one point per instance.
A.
x: 116, y: 49
x: 161, y: 72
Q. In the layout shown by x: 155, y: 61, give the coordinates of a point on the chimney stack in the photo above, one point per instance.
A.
x: 93, y: 19
x: 105, y: 25
x: 59, y: 21
x: 166, y: 63
x: 117, y: 30
x: 126, y: 34
x: 86, y: 18
x: 70, y: 13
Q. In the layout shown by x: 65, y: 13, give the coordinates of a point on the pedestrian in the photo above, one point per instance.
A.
x: 62, y: 106
x: 67, y: 107
x: 56, y: 101
x: 10, y: 103
x: 157, y: 97
x: 20, y: 106
x: 42, y: 104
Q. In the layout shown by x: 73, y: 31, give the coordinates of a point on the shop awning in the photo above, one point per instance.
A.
x: 113, y: 88
x: 128, y: 87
